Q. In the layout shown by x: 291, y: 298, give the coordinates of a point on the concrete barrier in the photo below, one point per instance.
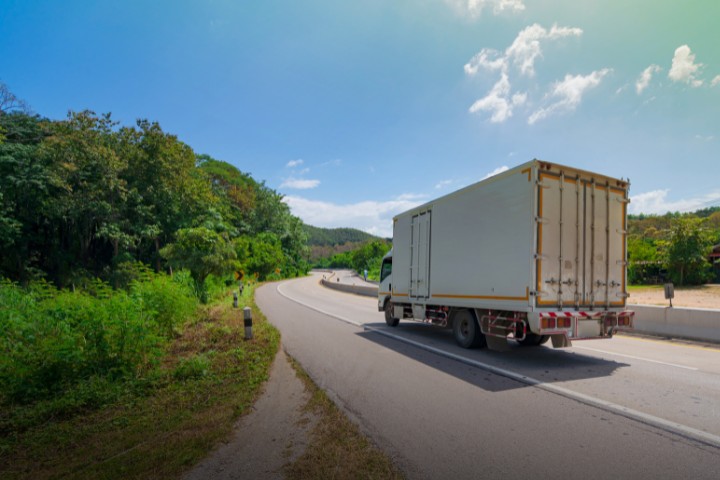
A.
x: 366, y: 291
x: 692, y: 323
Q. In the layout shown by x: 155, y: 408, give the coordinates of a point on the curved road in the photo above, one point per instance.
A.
x: 624, y: 407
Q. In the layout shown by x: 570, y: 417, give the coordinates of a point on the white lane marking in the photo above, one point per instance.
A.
x: 637, y: 358
x: 661, y: 423
x: 657, y: 422
x: 312, y: 307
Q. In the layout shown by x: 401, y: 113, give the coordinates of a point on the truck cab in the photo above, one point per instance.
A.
x: 385, y: 288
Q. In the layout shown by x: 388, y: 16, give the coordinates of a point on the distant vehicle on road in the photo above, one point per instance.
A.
x: 535, y: 253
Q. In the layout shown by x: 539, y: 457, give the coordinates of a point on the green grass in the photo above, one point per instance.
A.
x: 337, y: 448
x: 160, y: 424
x: 154, y: 426
x: 637, y: 288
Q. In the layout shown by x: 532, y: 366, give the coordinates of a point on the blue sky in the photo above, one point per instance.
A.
x: 356, y: 111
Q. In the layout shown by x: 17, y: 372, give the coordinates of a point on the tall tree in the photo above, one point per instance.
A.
x: 686, y: 252
x: 171, y: 191
x: 9, y: 102
x: 28, y: 186
x: 203, y: 252
x: 237, y: 189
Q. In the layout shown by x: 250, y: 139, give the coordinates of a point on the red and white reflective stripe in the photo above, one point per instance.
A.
x: 571, y: 314
x: 555, y: 314
x: 626, y: 313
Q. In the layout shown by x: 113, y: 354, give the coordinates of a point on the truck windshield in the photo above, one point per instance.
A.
x: 386, y: 268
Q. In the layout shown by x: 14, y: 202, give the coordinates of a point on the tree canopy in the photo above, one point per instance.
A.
x: 80, y: 196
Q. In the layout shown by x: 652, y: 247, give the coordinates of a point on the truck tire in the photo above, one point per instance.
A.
x: 533, y: 340
x: 392, y: 322
x: 467, y: 331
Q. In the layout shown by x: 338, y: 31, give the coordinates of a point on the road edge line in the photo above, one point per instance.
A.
x: 666, y: 425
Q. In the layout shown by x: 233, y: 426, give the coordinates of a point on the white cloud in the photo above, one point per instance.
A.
x: 569, y: 92
x: 519, y: 99
x: 370, y: 216
x: 412, y: 197
x: 294, y: 163
x: 443, y: 184
x: 655, y: 202
x: 522, y: 53
x: 299, y: 183
x: 487, y: 58
x: 650, y: 100
x: 684, y: 67
x: 331, y: 163
x: 715, y: 81
x: 525, y: 49
x: 498, y: 170
x: 644, y: 79
x: 496, y: 101
x: 474, y: 8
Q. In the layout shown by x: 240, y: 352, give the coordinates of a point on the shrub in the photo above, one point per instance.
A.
x: 169, y: 303
x: 50, y: 340
x: 193, y: 367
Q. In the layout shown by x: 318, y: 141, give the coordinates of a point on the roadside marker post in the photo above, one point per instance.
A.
x: 235, y: 300
x: 247, y: 315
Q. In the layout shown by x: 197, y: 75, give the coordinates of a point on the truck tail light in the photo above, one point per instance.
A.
x: 548, y: 323
x: 564, y: 322
x: 623, y: 321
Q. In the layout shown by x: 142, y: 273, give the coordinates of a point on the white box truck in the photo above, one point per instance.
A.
x: 537, y: 252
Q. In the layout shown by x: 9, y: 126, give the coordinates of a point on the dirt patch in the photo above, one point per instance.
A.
x: 705, y: 296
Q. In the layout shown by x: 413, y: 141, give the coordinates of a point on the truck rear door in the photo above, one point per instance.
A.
x: 580, y: 254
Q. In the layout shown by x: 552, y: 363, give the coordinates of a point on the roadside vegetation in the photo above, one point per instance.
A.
x: 155, y: 417
x: 117, y: 243
x: 674, y: 248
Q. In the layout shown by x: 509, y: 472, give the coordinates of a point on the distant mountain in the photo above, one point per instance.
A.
x: 318, y: 236
x: 326, y: 242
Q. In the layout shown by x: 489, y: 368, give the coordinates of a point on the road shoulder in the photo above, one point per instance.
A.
x: 276, y: 432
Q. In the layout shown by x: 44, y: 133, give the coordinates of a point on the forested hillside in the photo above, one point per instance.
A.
x: 81, y: 197
x: 325, y: 243
x: 336, y: 236
x: 111, y: 239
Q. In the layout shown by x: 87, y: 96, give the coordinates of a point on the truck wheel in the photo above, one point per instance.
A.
x: 392, y: 322
x: 467, y: 331
x: 533, y: 340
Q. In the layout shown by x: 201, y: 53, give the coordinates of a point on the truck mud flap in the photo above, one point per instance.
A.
x: 560, y: 341
x: 497, y: 344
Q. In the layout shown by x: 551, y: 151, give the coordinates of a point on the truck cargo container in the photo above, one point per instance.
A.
x: 534, y: 253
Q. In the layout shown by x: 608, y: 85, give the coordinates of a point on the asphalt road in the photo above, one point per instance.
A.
x: 348, y: 277
x: 626, y: 407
